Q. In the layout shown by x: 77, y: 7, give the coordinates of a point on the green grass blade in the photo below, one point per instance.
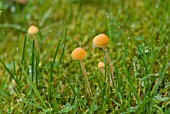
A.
x: 37, y: 70
x: 63, y: 50
x: 75, y: 91
x: 50, y: 83
x: 33, y: 104
x: 23, y: 52
x: 133, y: 89
x: 94, y: 105
x: 32, y: 60
x: 56, y: 52
x: 14, y: 26
x: 160, y: 78
x: 11, y: 74
x: 34, y: 88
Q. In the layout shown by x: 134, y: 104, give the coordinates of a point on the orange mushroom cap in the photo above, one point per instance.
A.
x: 101, y: 40
x: 32, y: 30
x: 100, y: 65
x: 78, y: 54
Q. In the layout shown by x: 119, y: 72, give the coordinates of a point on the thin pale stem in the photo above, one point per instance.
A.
x: 86, y: 78
x: 102, y: 70
x: 36, y: 43
x: 109, y: 60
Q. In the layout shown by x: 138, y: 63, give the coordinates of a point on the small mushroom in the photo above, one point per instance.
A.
x: 79, y: 54
x: 102, y: 41
x: 33, y: 30
x: 101, y: 67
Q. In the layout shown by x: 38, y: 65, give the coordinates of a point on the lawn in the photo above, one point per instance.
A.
x: 39, y: 75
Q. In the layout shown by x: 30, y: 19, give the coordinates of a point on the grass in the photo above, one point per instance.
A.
x: 50, y: 81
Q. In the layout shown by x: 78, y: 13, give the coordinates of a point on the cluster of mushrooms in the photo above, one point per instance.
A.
x: 79, y: 53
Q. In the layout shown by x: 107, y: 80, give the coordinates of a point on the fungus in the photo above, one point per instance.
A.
x: 33, y: 30
x: 101, y: 67
x: 80, y: 54
x: 102, y: 41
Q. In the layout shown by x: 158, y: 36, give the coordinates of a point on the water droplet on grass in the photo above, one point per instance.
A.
x: 143, y: 83
x: 13, y: 9
x: 146, y: 51
x: 17, y: 49
x: 133, y: 26
x: 119, y: 27
x: 30, y: 70
x: 156, y: 6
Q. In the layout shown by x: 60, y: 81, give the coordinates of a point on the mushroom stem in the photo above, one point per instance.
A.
x: 102, y: 70
x: 86, y: 78
x: 36, y: 43
x: 110, y: 62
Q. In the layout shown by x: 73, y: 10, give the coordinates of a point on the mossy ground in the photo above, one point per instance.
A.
x: 139, y: 47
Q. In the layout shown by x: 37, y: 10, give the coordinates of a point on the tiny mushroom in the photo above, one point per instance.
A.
x: 79, y: 54
x: 33, y: 30
x: 101, y: 67
x: 101, y: 41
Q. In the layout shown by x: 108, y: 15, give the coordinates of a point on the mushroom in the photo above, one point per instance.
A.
x: 79, y: 54
x: 101, y: 41
x: 33, y: 30
x: 101, y: 67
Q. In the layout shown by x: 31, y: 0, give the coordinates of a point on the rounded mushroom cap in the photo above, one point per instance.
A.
x: 101, y: 40
x: 32, y: 30
x: 78, y: 54
x: 100, y: 65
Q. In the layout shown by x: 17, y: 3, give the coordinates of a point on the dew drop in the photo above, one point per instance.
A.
x: 17, y: 49
x: 13, y: 9
x: 30, y: 70
x: 156, y: 6
x: 143, y: 83
x: 119, y: 27
x: 146, y: 51
x: 133, y: 26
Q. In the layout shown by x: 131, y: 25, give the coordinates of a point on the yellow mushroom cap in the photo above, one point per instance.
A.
x: 32, y: 30
x: 100, y: 65
x: 101, y: 40
x: 78, y: 54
